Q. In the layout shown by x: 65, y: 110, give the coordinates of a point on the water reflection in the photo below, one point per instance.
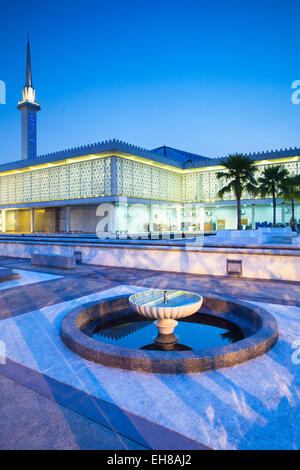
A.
x: 130, y: 330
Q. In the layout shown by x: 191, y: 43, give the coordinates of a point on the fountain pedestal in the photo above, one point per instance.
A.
x: 165, y: 307
x: 166, y: 331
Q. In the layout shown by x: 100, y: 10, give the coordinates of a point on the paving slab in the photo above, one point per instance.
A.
x: 19, y: 299
x: 30, y: 421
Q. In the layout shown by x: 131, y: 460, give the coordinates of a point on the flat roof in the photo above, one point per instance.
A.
x: 162, y: 155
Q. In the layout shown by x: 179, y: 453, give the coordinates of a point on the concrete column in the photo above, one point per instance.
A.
x: 32, y: 220
x: 68, y: 219
x: 113, y: 221
x: 283, y: 213
x: 201, y: 217
x: 3, y: 228
x: 179, y: 217
x: 253, y: 217
x: 150, y: 218
x: 122, y: 217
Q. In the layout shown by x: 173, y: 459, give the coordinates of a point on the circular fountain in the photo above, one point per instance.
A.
x: 165, y: 306
x: 214, y: 332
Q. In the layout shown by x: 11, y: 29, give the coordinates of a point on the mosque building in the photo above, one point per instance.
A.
x: 158, y: 190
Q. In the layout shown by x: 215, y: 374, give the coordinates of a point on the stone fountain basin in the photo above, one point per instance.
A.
x: 259, y: 327
x: 151, y: 304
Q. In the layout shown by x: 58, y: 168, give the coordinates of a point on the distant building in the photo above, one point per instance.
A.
x: 163, y: 189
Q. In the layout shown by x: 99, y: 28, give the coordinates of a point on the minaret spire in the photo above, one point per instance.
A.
x: 28, y: 76
x: 29, y: 108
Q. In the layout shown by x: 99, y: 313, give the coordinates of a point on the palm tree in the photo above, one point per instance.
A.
x: 269, y: 184
x: 290, y: 191
x: 240, y: 174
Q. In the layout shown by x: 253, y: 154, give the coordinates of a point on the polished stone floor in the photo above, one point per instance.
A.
x: 235, y: 408
x: 31, y: 421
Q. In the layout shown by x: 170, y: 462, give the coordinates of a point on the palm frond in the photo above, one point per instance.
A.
x: 226, y: 189
x: 222, y: 174
x: 240, y: 174
x: 251, y: 188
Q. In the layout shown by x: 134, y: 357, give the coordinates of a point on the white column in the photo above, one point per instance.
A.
x: 113, y: 222
x: 68, y: 219
x: 253, y: 217
x: 179, y: 217
x: 3, y: 213
x: 122, y: 217
x: 201, y: 217
x: 150, y: 218
x: 32, y: 220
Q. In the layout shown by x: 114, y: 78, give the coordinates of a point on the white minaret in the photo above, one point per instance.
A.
x: 28, y: 108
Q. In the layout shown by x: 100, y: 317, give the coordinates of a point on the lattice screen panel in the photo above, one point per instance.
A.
x: 92, y: 178
x: 135, y: 179
x: 83, y: 179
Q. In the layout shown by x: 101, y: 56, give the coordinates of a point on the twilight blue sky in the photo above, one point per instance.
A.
x: 211, y: 77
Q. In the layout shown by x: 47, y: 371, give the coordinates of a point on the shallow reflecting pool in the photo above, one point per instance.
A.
x: 198, y: 331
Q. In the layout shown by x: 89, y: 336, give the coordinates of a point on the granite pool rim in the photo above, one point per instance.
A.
x: 259, y: 327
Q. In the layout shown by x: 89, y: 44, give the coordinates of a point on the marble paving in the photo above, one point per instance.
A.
x: 27, y: 277
x: 243, y: 407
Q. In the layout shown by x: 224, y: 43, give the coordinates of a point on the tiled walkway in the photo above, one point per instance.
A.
x: 99, y: 278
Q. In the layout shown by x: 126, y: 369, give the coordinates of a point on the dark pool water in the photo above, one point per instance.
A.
x: 198, y: 331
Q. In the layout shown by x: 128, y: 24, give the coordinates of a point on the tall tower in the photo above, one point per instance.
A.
x: 28, y: 108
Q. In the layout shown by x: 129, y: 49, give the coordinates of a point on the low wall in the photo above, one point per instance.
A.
x: 261, y: 263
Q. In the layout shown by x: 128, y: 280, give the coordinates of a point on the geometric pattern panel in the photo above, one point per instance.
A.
x: 203, y: 186
x: 136, y: 179
x: 93, y: 178
x: 71, y: 181
x: 101, y: 177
